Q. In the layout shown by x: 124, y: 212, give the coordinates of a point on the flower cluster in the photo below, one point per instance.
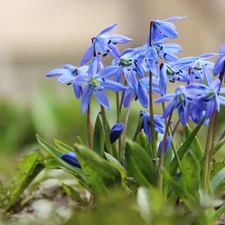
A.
x: 157, y: 60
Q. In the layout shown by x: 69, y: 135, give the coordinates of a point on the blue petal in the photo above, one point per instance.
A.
x: 143, y: 96
x: 88, y: 55
x: 167, y: 146
x: 219, y: 65
x: 81, y: 80
x: 131, y: 80
x: 208, y: 75
x: 175, y: 18
x: 108, y: 29
x: 66, y: 77
x: 115, y: 132
x: 128, y: 94
x: 112, y: 85
x: 165, y: 98
x: 93, y: 68
x: 56, y: 72
x: 102, y: 98
x: 172, y: 47
x: 100, y: 44
x: 71, y: 159
x: 69, y: 67
x: 77, y: 90
x: 107, y: 72
x: 86, y: 99
x: 169, y: 109
x: 167, y: 28
x: 117, y: 38
x: 222, y: 49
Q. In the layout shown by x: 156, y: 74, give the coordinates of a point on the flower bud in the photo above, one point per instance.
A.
x: 115, y: 132
x: 71, y: 159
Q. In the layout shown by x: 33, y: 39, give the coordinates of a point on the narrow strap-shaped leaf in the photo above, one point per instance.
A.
x: 184, y: 147
x: 190, y: 179
x: 100, y: 173
x: 63, y: 147
x: 143, y: 141
x: 98, y: 137
x: 139, y: 164
x: 27, y: 169
x: 218, y: 179
x: 195, y: 145
x: 52, y: 151
x: 73, y: 194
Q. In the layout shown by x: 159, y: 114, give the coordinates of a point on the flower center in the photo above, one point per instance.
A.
x: 94, y: 82
x: 125, y: 62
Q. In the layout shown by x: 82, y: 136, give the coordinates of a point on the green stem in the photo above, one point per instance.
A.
x: 89, y: 126
x: 106, y: 129
x: 117, y: 107
x: 207, y: 155
x: 161, y: 161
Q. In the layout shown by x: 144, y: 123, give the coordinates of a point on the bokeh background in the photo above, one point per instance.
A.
x: 37, y: 36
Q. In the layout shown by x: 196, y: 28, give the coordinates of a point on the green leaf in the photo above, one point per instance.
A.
x: 218, y: 146
x: 27, y: 169
x: 184, y: 147
x: 218, y: 180
x: 99, y: 137
x: 190, y: 178
x: 63, y: 147
x: 73, y: 194
x: 143, y: 141
x: 195, y: 145
x: 181, y: 192
x: 100, y: 173
x: 55, y: 153
x: 139, y: 164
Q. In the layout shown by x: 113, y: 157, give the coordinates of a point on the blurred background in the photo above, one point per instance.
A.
x: 38, y: 36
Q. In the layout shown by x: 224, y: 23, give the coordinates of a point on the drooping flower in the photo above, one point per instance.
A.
x: 67, y: 75
x: 181, y: 100
x: 71, y: 159
x: 146, y: 125
x: 105, y: 43
x: 96, y: 82
x: 166, y: 27
x: 220, y: 63
x: 115, y: 132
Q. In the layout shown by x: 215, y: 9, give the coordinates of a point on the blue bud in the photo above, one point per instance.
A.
x: 71, y: 159
x: 168, y: 144
x: 115, y: 132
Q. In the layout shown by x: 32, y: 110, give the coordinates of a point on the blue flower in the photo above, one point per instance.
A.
x: 220, y: 63
x: 139, y: 89
x: 166, y: 27
x: 67, y: 75
x: 115, y: 132
x: 105, y: 43
x: 96, y: 82
x: 180, y: 100
x: 158, y: 124
x: 71, y: 159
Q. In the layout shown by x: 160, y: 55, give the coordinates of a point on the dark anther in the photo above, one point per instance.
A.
x: 130, y: 60
x: 161, y: 47
x: 188, y: 98
x: 164, y: 55
x: 105, y: 54
x: 135, y: 70
x: 108, y: 50
x: 136, y: 98
x: 114, y: 43
x: 196, y: 77
x: 177, y: 72
x: 156, y: 62
x: 206, y: 64
x: 69, y: 83
x: 180, y: 71
x: 178, y: 78
x: 135, y: 63
x: 99, y: 53
x: 103, y: 79
x: 109, y: 42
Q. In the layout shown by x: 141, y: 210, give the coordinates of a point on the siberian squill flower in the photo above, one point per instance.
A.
x: 139, y: 89
x: 71, y: 159
x: 105, y: 43
x: 158, y: 124
x: 220, y: 63
x: 167, y: 72
x: 166, y: 27
x: 67, y: 75
x: 209, y: 95
x: 194, y: 65
x: 96, y: 82
x: 115, y: 132
x: 181, y: 100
